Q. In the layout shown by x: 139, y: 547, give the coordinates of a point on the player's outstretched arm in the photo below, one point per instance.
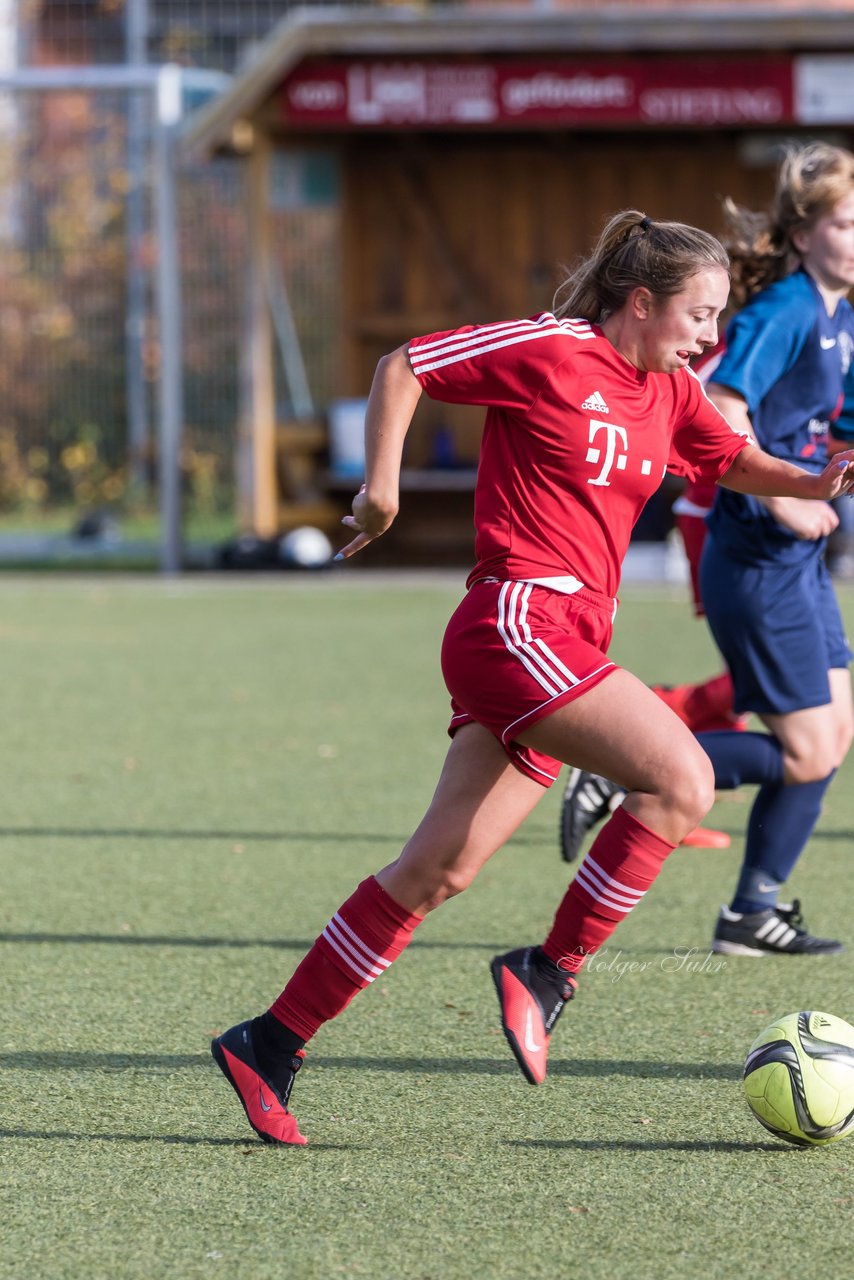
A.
x: 757, y: 472
x: 395, y: 392
x: 805, y: 519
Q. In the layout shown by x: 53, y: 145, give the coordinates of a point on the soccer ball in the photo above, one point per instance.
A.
x: 799, y: 1078
x: 305, y: 548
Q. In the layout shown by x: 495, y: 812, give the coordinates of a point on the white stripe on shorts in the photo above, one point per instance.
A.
x: 536, y: 656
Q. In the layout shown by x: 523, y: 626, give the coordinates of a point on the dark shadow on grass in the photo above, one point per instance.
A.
x: 690, y: 953
x: 168, y: 940
x: 171, y: 833
x: 65, y: 1060
x: 69, y: 1060
x: 575, y: 1067
x: 689, y: 958
x: 167, y: 1139
x: 635, y: 1144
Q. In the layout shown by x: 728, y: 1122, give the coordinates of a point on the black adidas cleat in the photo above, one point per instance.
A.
x: 588, y: 799
x: 779, y: 931
x: 531, y: 1003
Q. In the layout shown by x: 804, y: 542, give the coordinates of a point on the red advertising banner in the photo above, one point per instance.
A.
x: 365, y: 93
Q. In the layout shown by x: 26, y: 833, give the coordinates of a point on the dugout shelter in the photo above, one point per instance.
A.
x: 478, y: 149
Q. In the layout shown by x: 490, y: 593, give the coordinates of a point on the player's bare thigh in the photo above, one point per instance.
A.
x: 622, y: 730
x: 618, y: 728
x: 816, y: 740
x: 479, y: 801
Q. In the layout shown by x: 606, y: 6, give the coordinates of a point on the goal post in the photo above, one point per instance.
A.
x: 166, y: 86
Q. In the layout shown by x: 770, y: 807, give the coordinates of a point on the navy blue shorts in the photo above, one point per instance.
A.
x: 778, y: 628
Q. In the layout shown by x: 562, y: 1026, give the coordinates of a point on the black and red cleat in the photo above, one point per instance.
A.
x: 532, y: 993
x: 266, y: 1106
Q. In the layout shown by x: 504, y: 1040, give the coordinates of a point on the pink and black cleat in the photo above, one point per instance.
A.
x: 531, y: 1003
x: 266, y: 1107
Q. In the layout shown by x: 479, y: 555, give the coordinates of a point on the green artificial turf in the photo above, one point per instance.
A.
x: 196, y: 774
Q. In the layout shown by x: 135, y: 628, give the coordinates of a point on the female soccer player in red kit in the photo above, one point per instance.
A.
x: 584, y: 409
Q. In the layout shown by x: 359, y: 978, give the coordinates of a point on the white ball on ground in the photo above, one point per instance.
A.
x: 305, y: 548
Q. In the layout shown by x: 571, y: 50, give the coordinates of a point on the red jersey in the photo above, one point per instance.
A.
x: 576, y: 441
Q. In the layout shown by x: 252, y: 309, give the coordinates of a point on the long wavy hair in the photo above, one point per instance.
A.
x: 811, y: 181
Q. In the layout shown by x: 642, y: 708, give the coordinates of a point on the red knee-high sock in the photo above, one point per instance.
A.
x: 622, y: 863
x: 361, y: 940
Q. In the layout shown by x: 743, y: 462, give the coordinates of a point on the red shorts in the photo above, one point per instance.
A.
x: 514, y: 652
x: 693, y: 531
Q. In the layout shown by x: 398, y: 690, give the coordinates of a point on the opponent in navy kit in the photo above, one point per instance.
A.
x: 764, y: 584
x: 768, y: 596
x: 584, y: 409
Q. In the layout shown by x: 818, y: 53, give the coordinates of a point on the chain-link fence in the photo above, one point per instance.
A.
x: 81, y: 257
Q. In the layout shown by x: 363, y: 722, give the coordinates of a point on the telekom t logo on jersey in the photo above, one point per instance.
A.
x: 611, y: 458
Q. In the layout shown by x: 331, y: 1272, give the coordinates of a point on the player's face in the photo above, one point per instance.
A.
x: 682, y: 326
x: 827, y: 248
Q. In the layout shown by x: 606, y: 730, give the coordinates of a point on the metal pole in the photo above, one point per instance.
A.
x: 261, y: 385
x: 168, y: 99
x: 289, y: 343
x: 136, y: 50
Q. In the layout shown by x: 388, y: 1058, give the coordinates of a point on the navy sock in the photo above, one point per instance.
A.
x: 739, y: 758
x: 781, y: 822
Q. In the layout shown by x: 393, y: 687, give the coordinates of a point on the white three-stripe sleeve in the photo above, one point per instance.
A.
x: 455, y: 348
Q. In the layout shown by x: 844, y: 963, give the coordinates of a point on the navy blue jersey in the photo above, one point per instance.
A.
x: 788, y: 358
x: 842, y: 428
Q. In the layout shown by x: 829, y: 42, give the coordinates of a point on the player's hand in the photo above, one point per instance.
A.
x: 369, y: 519
x: 807, y: 520
x: 837, y: 477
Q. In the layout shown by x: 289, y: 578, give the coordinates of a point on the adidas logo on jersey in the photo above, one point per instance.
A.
x: 596, y: 403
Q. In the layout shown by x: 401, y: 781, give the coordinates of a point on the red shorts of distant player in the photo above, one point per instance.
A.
x: 693, y: 531
x: 690, y: 510
x: 514, y: 652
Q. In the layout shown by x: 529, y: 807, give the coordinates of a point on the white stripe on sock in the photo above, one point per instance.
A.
x: 617, y: 885
x: 372, y: 957
x: 357, y: 969
x: 605, y: 897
